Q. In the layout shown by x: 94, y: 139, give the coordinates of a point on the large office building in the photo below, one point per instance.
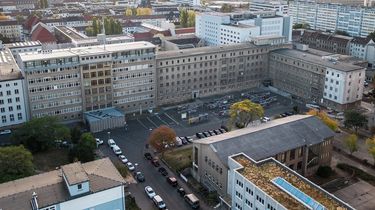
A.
x: 12, y: 30
x: 187, y: 74
x: 12, y: 101
x: 325, y: 80
x: 356, y: 21
x: 224, y: 28
x: 301, y: 142
x: 280, y: 6
x: 68, y: 82
x: 270, y: 185
x: 92, y: 185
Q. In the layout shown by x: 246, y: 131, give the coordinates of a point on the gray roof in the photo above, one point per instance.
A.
x: 51, y: 188
x: 272, y: 138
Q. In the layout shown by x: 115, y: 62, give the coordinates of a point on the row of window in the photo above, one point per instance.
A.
x: 11, y: 118
x: 55, y: 95
x: 134, y: 98
x: 54, y: 87
x: 132, y: 83
x: 8, y: 84
x: 53, y: 70
x: 10, y: 108
x: 9, y: 92
x: 213, y: 165
x: 59, y: 112
x: 9, y: 100
x: 54, y: 78
x: 132, y: 68
x: 131, y: 76
x: 133, y: 91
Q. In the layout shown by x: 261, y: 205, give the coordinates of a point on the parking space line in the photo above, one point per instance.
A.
x: 142, y: 124
x: 171, y: 118
x: 161, y: 120
x: 152, y: 122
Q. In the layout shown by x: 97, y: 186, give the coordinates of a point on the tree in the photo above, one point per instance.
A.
x: 301, y: 25
x: 344, y: 33
x: 331, y: 123
x: 351, y: 143
x: 95, y: 27
x: 15, y: 162
x: 75, y: 134
x: 354, y: 119
x: 143, y: 11
x: 43, y: 4
x: 370, y: 142
x: 371, y: 35
x: 161, y: 137
x: 128, y: 12
x: 85, y: 150
x: 244, y: 112
x: 89, y: 31
x: 40, y: 134
x: 4, y: 39
x: 191, y: 18
x: 183, y: 18
x: 226, y: 8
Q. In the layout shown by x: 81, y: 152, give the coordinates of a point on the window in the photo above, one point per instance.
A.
x: 11, y: 117
x: 292, y: 154
x: 3, y: 119
x: 299, y: 165
x: 19, y: 116
x: 79, y: 186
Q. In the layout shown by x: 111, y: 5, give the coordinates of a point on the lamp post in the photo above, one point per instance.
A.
x: 109, y: 135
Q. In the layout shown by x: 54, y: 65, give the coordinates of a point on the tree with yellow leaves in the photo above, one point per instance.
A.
x: 128, y: 12
x: 370, y: 142
x: 351, y: 143
x: 244, y: 112
x: 331, y: 123
x: 143, y: 11
x: 3, y: 17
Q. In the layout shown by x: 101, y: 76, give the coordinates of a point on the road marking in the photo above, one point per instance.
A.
x: 171, y: 118
x: 162, y: 120
x: 152, y: 122
x: 142, y: 124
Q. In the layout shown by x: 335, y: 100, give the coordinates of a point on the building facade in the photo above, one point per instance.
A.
x: 12, y: 100
x: 12, y: 30
x: 281, y: 7
x: 68, y: 82
x: 316, y: 79
x: 269, y: 184
x: 223, y: 28
x: 356, y: 21
x: 279, y: 139
x: 192, y: 73
x: 92, y: 185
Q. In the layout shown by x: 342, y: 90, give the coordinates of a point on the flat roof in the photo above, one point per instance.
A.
x: 23, y: 44
x: 70, y: 32
x: 266, y: 175
x: 311, y: 58
x: 9, y: 69
x: 203, y: 50
x: 97, y: 115
x: 51, y: 188
x: 83, y: 51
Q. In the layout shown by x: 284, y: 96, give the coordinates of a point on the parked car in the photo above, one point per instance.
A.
x: 116, y: 150
x: 265, y: 119
x: 148, y: 156
x: 4, y: 132
x: 123, y: 158
x: 150, y: 192
x: 289, y: 113
x: 155, y: 162
x: 111, y: 143
x: 189, y: 139
x: 206, y: 134
x: 181, y: 191
x: 199, y: 135
x: 139, y: 176
x: 158, y: 201
x: 222, y: 130
x: 212, y: 133
x: 130, y: 166
x: 178, y: 141
x: 172, y: 181
x: 99, y: 142
x: 184, y: 141
x: 217, y: 132
x: 163, y: 171
x: 192, y: 200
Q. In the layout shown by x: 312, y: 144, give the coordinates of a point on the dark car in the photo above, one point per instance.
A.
x: 222, y: 130
x: 212, y: 133
x: 217, y: 132
x: 225, y: 128
x: 155, y: 162
x: 181, y: 191
x: 206, y: 134
x: 172, y: 181
x: 148, y: 156
x: 183, y: 140
x: 139, y: 176
x: 289, y: 113
x: 199, y: 135
x: 163, y: 171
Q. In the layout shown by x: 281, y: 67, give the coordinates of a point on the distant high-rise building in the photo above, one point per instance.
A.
x: 281, y: 7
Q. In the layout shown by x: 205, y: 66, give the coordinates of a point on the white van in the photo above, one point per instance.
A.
x: 111, y: 143
x: 192, y: 200
x: 117, y: 150
x: 178, y: 141
x: 158, y: 201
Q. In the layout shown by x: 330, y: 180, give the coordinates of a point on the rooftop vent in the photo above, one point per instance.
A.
x: 34, y: 201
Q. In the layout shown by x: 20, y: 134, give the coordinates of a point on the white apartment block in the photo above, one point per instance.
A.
x: 270, y: 185
x: 68, y: 82
x: 281, y: 7
x: 21, y: 47
x: 363, y: 48
x: 356, y: 21
x: 12, y: 102
x: 11, y: 29
x: 221, y: 28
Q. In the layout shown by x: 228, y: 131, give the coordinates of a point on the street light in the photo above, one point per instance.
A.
x: 109, y: 135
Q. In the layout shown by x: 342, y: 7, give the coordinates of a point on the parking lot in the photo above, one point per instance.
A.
x: 132, y: 139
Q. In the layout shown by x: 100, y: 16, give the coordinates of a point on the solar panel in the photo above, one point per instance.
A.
x: 298, y: 194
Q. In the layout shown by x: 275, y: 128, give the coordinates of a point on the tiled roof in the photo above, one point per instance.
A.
x: 42, y: 34
x: 361, y: 40
x: 185, y: 30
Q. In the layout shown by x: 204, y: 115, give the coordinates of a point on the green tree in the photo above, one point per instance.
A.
x: 75, y: 134
x: 85, y: 150
x: 344, y: 33
x: 43, y: 4
x: 354, y: 119
x: 4, y: 39
x: 371, y: 35
x: 40, y: 134
x: 89, y: 31
x: 161, y: 137
x: 95, y: 27
x: 351, y: 143
x: 301, y: 25
x: 184, y: 17
x: 244, y: 112
x: 15, y: 162
x: 226, y: 8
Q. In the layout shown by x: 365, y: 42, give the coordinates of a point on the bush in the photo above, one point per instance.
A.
x: 130, y: 203
x: 122, y: 169
x: 324, y: 171
x: 357, y: 172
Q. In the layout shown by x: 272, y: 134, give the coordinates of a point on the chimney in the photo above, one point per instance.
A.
x: 34, y: 201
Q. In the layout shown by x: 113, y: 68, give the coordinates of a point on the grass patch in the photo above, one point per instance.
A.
x: 179, y: 159
x: 130, y: 203
x: 357, y: 173
x: 49, y: 160
x: 122, y: 169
